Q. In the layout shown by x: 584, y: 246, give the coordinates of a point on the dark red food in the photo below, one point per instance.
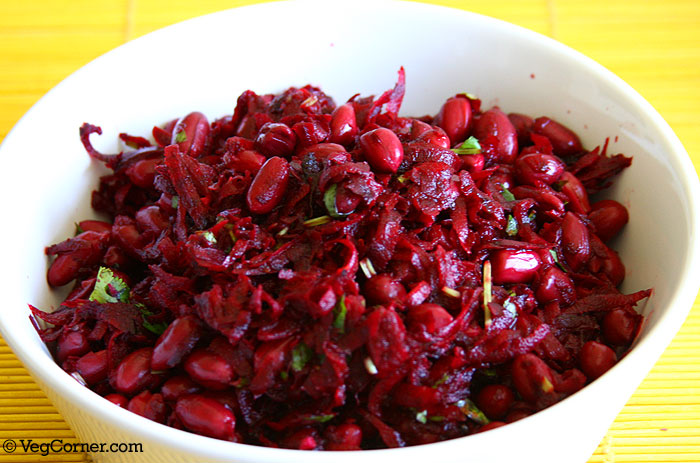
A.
x: 309, y: 276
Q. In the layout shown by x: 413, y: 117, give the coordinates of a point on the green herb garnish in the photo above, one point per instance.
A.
x: 301, y: 354
x: 329, y: 201
x: 422, y: 417
x: 316, y: 221
x: 320, y: 418
x: 155, y: 328
x: 180, y: 137
x: 209, y: 236
x: 507, y: 195
x: 472, y: 412
x: 175, y: 201
x: 442, y: 380
x: 470, y: 146
x: 512, y: 226
x: 109, y: 288
x: 340, y: 312
x: 555, y: 256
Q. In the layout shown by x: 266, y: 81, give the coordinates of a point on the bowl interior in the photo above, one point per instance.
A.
x: 204, y: 64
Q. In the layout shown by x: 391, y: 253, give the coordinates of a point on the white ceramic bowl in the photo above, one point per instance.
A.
x: 205, y: 63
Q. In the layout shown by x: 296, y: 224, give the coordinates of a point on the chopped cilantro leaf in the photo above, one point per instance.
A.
x: 512, y: 226
x: 341, y: 311
x: 555, y: 256
x: 155, y: 328
x: 320, y: 418
x: 78, y: 229
x: 175, y: 201
x: 209, y: 236
x: 109, y: 288
x: 422, y: 417
x: 301, y: 354
x: 329, y: 202
x: 442, y: 380
x: 470, y: 146
x: 559, y: 185
x: 472, y: 412
x: 180, y: 137
x: 507, y: 195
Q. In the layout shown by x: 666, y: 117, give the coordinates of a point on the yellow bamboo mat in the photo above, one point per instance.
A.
x: 653, y: 45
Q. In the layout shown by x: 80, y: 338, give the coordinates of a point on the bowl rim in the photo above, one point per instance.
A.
x: 652, y: 343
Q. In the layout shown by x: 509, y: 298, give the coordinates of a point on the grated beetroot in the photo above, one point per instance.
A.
x: 309, y: 276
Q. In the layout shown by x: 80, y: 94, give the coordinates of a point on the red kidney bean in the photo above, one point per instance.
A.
x: 575, y: 191
x: 538, y: 167
x: 383, y: 150
x: 436, y: 136
x: 209, y: 369
x: 93, y: 366
x: 247, y: 160
x: 343, y: 125
x: 491, y: 425
x: 596, y: 359
x: 555, y: 286
x: 495, y: 400
x: 532, y: 377
x: 275, y: 139
x: 151, y: 218
x: 620, y: 327
x: 224, y: 397
x: 83, y: 290
x: 176, y: 342
x: 564, y: 141
x: 149, y: 406
x: 383, y: 290
x: 134, y: 372
x: 205, y: 416
x: 268, y: 186
x: 455, y: 118
x: 302, y: 439
x: 95, y: 225
x: 473, y: 163
x: 429, y: 317
x: 178, y: 386
x: 613, y: 267
x: 494, y: 124
x: 606, y: 260
x: 523, y: 125
x: 71, y: 344
x: 142, y: 173
x: 63, y: 270
x: 574, y: 240
x: 325, y: 153
x: 346, y: 436
x: 514, y: 266
x: 115, y: 257
x: 118, y: 399
x: 418, y: 128
x: 192, y: 132
x: 570, y: 381
x: 66, y: 266
x: 609, y: 217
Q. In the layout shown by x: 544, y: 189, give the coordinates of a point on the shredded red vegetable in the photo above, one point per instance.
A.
x: 312, y: 276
